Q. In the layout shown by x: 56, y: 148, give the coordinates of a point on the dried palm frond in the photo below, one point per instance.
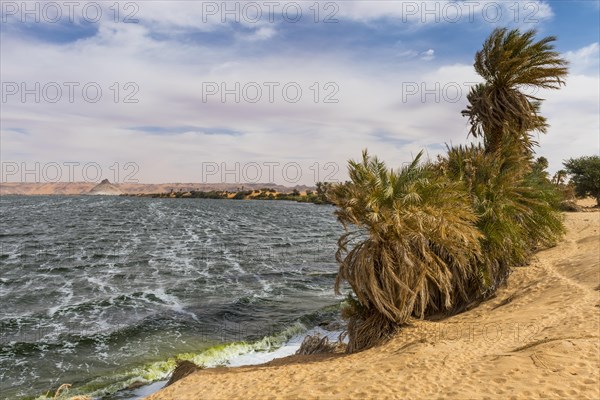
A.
x: 414, y: 244
x: 315, y: 344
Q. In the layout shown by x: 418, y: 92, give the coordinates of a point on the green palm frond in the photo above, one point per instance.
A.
x: 510, y: 61
x: 413, y: 239
x: 517, y: 209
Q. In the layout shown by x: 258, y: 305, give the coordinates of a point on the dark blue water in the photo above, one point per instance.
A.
x: 100, y: 292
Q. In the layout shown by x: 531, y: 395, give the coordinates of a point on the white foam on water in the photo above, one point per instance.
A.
x: 243, y: 354
x: 179, y: 245
x: 98, y: 283
x: 266, y: 287
x: 288, y: 349
x: 67, y: 290
x: 172, y: 302
x: 232, y: 260
x: 146, y: 390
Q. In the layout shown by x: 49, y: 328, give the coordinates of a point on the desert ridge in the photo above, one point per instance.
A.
x: 82, y: 188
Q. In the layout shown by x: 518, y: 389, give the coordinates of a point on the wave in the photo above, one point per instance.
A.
x: 236, y: 353
x: 218, y: 323
x: 112, y: 283
x: 213, y: 356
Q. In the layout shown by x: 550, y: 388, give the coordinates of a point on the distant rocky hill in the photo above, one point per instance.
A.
x: 105, y: 188
x: 82, y: 188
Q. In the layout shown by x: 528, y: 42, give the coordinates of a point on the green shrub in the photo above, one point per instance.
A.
x: 585, y: 175
x: 517, y: 208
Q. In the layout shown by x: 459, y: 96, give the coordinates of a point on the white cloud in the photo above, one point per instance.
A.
x: 584, y: 60
x: 262, y: 33
x: 170, y: 79
x: 574, y: 120
x: 428, y: 55
x: 394, y: 110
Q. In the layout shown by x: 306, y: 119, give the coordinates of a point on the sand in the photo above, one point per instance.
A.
x: 538, y: 338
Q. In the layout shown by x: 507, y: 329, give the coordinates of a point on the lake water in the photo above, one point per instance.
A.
x: 103, y: 292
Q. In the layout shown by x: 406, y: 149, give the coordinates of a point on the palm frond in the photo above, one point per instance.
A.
x: 417, y: 239
x: 509, y: 61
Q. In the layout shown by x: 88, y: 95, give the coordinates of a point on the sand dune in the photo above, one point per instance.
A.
x: 538, y: 338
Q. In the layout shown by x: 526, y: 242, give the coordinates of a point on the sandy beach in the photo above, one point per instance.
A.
x: 537, y: 338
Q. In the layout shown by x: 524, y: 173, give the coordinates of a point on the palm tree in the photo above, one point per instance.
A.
x: 559, y: 177
x: 509, y: 62
x: 414, y: 245
x: 434, y: 238
x: 517, y: 213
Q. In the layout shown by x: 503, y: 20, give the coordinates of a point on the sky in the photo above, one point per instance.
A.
x: 265, y: 91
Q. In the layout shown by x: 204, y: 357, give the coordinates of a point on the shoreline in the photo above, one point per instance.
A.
x: 249, y: 359
x: 132, y: 188
x: 538, y: 337
x: 203, y: 287
x: 235, y: 196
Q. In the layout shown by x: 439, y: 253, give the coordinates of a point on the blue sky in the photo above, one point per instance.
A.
x: 390, y: 76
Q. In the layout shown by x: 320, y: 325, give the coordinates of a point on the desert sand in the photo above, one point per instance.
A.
x: 537, y: 338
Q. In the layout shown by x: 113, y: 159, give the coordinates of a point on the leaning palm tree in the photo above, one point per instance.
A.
x: 511, y: 61
x: 414, y: 245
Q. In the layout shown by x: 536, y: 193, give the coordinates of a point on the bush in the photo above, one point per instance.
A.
x: 569, y: 206
x: 585, y: 175
x: 415, y: 245
x: 517, y: 208
x: 242, y: 195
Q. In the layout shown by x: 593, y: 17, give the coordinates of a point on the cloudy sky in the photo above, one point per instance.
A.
x: 192, y: 91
